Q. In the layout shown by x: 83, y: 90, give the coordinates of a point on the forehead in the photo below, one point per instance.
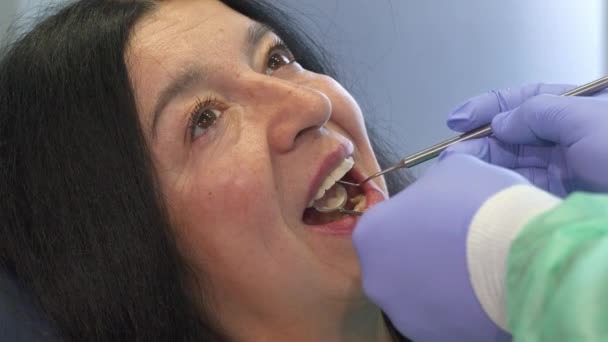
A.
x: 179, y: 34
x: 173, y: 24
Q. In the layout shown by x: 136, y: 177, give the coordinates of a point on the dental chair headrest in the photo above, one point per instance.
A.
x: 20, y: 318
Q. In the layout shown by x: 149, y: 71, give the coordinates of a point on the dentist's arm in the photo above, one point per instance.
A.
x: 470, y: 251
x: 557, y: 278
x: 413, y: 249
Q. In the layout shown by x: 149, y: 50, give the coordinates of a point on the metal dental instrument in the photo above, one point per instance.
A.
x: 433, y: 151
x: 339, y: 199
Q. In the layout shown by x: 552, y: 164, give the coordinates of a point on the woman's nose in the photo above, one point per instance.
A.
x: 295, y: 110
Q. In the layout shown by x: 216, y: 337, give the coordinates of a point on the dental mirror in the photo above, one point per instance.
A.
x: 334, y: 200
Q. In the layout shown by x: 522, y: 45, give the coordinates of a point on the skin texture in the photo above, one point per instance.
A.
x: 269, y: 275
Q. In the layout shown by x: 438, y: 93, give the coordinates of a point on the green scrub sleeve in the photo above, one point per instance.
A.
x: 557, y: 273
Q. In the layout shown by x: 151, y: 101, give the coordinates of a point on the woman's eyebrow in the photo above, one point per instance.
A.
x: 193, y: 75
x: 255, y: 33
x: 186, y: 79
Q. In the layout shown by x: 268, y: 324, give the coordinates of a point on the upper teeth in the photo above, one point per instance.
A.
x: 333, y: 177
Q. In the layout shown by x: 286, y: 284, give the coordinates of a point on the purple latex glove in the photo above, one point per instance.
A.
x: 559, y: 143
x: 412, y: 250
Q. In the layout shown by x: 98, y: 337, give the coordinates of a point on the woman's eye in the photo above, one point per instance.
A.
x: 202, y: 120
x: 278, y: 57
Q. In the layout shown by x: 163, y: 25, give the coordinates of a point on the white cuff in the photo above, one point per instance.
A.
x: 495, y: 225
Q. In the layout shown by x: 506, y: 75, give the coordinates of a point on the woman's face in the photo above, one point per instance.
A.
x: 242, y: 139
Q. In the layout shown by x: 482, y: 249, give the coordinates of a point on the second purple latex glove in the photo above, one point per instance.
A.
x: 412, y: 250
x: 557, y: 142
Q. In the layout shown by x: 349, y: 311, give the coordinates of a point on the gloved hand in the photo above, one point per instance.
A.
x: 559, y: 143
x: 412, y: 250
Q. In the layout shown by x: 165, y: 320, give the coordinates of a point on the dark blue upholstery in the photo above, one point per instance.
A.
x: 20, y: 318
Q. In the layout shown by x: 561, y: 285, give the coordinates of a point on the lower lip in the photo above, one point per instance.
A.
x: 346, y: 225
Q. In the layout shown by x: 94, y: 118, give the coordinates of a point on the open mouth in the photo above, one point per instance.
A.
x: 355, y: 201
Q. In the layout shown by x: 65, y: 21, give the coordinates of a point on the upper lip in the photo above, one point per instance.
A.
x: 329, y: 164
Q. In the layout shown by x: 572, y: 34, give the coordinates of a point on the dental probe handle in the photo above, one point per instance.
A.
x: 483, y: 131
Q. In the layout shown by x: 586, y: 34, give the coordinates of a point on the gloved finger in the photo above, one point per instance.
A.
x: 602, y: 94
x: 480, y: 109
x: 536, y: 176
x: 549, y: 118
x: 549, y: 179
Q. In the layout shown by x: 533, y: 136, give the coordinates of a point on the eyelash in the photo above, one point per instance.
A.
x: 278, y: 44
x: 202, y: 106
x: 199, y: 109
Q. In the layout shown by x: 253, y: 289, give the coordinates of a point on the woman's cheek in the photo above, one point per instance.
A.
x: 227, y: 197
x: 219, y: 215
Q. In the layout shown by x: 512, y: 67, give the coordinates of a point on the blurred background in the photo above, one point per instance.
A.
x: 409, y: 62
